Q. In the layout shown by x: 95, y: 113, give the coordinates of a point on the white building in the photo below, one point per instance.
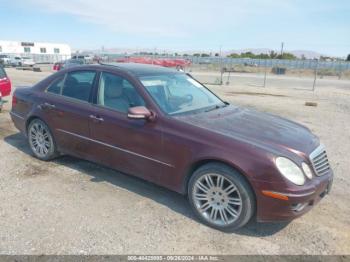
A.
x: 40, y: 52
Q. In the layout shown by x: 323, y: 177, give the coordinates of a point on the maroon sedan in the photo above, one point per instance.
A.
x: 164, y: 126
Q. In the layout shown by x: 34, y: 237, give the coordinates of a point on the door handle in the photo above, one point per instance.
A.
x: 48, y: 105
x: 96, y: 118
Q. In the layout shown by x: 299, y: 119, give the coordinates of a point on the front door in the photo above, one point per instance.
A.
x: 131, y: 146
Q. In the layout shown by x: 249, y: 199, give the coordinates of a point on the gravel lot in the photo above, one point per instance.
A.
x: 70, y: 206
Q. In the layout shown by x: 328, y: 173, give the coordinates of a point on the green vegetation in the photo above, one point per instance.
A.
x: 271, y: 55
x: 201, y: 55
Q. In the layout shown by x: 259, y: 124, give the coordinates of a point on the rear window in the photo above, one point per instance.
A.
x: 2, y: 73
x: 56, y: 86
x: 78, y: 85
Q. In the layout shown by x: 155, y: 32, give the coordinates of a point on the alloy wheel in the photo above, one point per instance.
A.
x: 217, y: 199
x: 40, y: 139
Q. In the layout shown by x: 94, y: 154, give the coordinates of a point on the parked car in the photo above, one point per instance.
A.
x: 5, y: 60
x: 28, y: 61
x: 57, y: 66
x: 67, y: 64
x: 5, y: 86
x: 16, y: 61
x: 87, y: 58
x: 22, y: 61
x: 156, y: 123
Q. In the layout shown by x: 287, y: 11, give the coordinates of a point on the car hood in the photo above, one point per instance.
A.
x: 251, y: 126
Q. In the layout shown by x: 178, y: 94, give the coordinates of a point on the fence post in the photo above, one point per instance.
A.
x: 265, y: 72
x: 314, y: 84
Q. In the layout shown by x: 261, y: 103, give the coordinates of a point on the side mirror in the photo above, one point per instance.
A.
x: 140, y: 112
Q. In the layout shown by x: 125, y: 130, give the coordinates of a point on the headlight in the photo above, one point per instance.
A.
x: 290, y: 170
x: 307, y: 170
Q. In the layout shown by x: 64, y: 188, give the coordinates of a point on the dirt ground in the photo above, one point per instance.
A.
x: 71, y: 206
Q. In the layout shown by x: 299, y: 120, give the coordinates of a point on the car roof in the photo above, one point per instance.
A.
x: 131, y: 68
x: 141, y: 69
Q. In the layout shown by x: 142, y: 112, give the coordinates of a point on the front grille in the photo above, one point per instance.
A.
x: 320, y: 161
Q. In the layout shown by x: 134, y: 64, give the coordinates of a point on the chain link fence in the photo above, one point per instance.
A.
x: 275, y: 73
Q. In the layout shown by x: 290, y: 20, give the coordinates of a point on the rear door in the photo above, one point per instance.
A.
x: 67, y: 107
x: 5, y: 83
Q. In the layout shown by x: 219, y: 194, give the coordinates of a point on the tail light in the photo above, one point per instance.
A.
x: 14, y: 101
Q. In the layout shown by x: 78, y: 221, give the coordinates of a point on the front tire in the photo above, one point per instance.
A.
x: 41, y: 140
x: 220, y: 197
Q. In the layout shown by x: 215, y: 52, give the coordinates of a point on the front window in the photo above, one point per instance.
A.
x: 43, y: 50
x: 117, y: 93
x: 180, y: 94
x: 26, y: 49
x: 56, y: 50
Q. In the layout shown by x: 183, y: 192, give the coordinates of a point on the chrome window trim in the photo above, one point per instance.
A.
x: 114, y: 147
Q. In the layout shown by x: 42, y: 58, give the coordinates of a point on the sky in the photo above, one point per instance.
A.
x: 180, y: 25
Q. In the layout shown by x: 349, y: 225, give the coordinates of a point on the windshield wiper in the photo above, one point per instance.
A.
x: 214, y: 108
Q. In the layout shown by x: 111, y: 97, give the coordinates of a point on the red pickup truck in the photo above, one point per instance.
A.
x: 5, y: 86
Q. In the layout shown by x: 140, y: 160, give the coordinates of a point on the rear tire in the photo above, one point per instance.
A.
x: 41, y: 141
x: 221, y: 197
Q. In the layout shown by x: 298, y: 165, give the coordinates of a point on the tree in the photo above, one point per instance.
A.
x: 287, y: 56
x: 348, y: 59
x: 233, y: 55
x: 273, y: 54
x: 262, y: 56
x: 248, y: 55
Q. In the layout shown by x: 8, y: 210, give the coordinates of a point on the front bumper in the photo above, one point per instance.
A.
x: 300, y: 198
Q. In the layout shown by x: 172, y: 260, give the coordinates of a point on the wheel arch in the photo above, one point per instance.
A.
x: 33, y: 117
x: 29, y: 120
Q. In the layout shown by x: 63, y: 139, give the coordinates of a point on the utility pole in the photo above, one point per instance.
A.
x: 221, y: 63
x: 282, y: 45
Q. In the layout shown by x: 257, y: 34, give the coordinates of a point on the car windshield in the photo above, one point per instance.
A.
x: 178, y: 93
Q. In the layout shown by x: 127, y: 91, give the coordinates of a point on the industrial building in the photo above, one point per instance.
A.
x: 39, y: 51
